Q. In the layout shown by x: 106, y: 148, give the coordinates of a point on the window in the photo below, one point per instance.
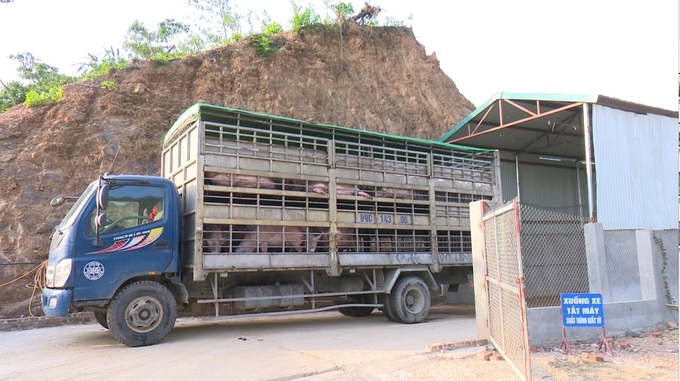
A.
x: 130, y: 206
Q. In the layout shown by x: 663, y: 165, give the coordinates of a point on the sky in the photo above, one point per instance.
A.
x: 625, y: 50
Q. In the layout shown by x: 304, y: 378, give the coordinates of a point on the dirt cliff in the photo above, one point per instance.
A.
x: 375, y: 78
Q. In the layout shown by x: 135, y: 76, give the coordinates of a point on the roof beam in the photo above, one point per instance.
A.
x: 565, y: 122
x: 522, y: 108
x: 515, y: 123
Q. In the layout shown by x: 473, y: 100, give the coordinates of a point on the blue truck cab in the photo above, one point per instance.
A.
x: 119, y: 240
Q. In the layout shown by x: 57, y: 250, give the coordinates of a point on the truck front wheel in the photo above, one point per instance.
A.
x: 142, y: 313
x: 101, y: 319
x: 409, y: 302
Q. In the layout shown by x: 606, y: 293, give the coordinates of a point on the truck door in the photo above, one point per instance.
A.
x: 136, y: 241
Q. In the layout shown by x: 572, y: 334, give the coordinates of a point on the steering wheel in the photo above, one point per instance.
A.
x: 124, y: 218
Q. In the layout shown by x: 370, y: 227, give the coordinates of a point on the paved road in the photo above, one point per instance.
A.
x: 311, y: 347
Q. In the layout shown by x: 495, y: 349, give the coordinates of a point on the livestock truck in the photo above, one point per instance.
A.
x: 257, y: 213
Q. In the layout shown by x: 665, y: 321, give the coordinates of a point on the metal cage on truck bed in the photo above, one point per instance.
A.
x: 268, y: 193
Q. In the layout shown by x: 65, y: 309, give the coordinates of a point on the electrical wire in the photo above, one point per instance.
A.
x: 39, y: 280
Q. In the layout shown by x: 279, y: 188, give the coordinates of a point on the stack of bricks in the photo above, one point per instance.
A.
x: 46, y: 321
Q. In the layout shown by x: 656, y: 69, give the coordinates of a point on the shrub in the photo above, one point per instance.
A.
x: 108, y: 85
x: 303, y: 18
x: 262, y: 44
x: 34, y: 98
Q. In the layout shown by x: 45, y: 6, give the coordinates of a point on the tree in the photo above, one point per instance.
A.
x: 96, y: 66
x: 12, y: 94
x: 217, y: 13
x: 43, y: 83
x: 169, y: 41
x: 342, y: 10
x: 303, y: 17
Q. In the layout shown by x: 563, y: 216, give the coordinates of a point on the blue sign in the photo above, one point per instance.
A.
x: 582, y: 310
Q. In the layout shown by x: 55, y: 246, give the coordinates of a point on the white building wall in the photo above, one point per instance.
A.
x: 635, y: 156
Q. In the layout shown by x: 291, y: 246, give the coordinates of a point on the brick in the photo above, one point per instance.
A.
x: 595, y: 357
x: 486, y: 355
x: 657, y: 334
x: 435, y: 347
x: 624, y: 345
x: 497, y: 358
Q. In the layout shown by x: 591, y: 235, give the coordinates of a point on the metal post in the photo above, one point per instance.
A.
x: 578, y: 190
x: 517, y: 174
x: 334, y: 269
x: 587, y: 131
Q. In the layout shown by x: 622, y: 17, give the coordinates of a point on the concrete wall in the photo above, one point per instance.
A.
x: 627, y: 268
x: 623, y: 269
x: 545, y: 324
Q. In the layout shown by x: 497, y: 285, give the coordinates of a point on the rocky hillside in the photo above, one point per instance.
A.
x: 376, y: 78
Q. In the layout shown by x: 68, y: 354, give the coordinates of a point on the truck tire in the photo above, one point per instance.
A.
x: 142, y: 313
x: 409, y: 301
x: 387, y: 310
x: 101, y: 319
x: 356, y: 311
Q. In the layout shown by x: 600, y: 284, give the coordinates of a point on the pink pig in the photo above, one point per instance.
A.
x: 403, y: 194
x: 346, y: 240
x: 242, y: 181
x: 322, y: 188
x: 272, y: 236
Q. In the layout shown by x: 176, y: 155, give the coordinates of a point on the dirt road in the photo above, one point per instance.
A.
x: 318, y: 347
x: 313, y: 347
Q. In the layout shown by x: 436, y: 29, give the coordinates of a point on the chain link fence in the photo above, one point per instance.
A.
x: 507, y: 315
x: 553, y: 253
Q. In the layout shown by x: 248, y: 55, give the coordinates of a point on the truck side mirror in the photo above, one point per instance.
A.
x: 103, y: 197
x: 101, y: 220
x: 57, y: 201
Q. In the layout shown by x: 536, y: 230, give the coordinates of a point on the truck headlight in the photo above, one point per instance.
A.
x: 61, y: 272
x: 49, y: 276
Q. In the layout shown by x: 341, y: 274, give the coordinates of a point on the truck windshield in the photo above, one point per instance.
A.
x: 75, y: 209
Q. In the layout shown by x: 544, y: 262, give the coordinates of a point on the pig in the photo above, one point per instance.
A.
x: 322, y: 188
x: 403, y: 194
x: 214, y: 238
x: 346, y: 239
x: 272, y: 236
x: 242, y: 181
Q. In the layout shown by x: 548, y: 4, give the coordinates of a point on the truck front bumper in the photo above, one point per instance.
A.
x: 55, y: 302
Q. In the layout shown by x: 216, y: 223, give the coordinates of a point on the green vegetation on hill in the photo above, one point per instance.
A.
x: 217, y: 26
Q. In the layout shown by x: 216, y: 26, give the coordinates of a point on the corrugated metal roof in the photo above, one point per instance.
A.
x: 536, y: 123
x: 570, y: 98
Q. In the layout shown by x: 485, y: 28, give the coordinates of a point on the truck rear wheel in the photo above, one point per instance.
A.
x: 358, y: 311
x: 142, y: 313
x: 409, y: 301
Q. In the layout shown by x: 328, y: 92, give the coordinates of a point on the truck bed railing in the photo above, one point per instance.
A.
x: 270, y: 194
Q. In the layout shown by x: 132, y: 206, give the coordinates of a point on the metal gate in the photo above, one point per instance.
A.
x: 505, y: 284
